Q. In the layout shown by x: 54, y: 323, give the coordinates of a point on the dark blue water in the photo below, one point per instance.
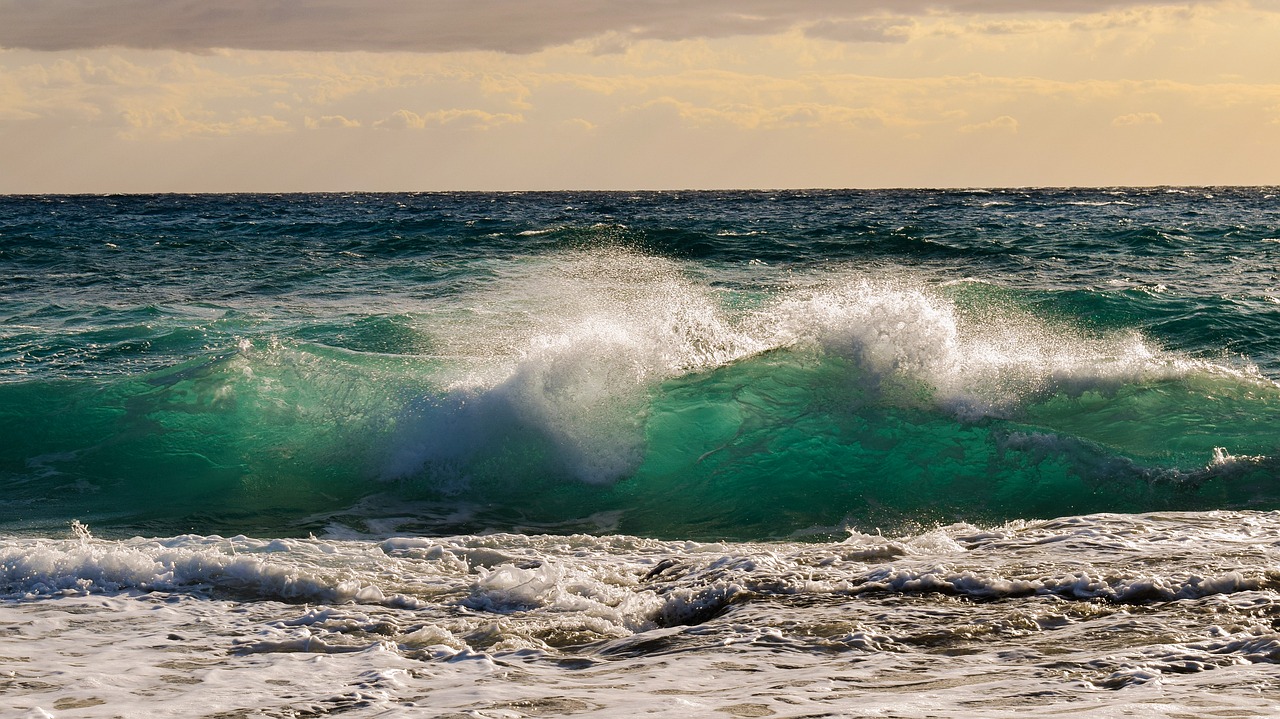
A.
x: 719, y: 364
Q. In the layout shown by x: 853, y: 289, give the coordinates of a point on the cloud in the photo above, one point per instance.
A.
x: 1004, y: 123
x: 177, y: 97
x: 337, y: 121
x: 774, y: 117
x: 471, y: 119
x: 1010, y: 27
x: 863, y: 30
x: 171, y: 123
x: 1137, y: 118
x: 513, y: 26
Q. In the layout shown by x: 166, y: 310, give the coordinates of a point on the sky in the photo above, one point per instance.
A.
x: 410, y: 95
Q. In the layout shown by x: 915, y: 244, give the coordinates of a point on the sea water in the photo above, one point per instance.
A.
x: 830, y: 453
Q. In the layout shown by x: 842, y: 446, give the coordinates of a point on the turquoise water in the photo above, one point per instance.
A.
x: 674, y: 365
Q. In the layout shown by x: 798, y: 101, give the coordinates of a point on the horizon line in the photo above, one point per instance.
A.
x: 937, y: 188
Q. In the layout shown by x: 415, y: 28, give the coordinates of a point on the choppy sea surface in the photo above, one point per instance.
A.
x: 984, y: 453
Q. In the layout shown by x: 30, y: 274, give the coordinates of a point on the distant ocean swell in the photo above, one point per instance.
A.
x: 610, y: 389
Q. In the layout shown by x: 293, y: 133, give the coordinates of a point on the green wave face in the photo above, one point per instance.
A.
x: 776, y: 444
x: 215, y: 440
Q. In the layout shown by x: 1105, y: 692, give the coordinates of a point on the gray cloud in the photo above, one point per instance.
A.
x: 513, y: 26
x: 862, y: 30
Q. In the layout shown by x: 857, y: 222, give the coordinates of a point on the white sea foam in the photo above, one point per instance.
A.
x: 1222, y: 459
x: 535, y: 233
x: 515, y: 625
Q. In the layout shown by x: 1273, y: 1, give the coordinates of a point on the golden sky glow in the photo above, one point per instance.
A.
x: 503, y: 95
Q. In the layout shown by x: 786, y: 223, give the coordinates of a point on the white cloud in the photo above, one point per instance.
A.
x: 871, y: 29
x: 1137, y: 118
x: 1002, y: 124
x: 171, y: 123
x: 470, y: 119
x: 580, y: 124
x: 334, y: 121
x: 1012, y: 27
x: 774, y: 117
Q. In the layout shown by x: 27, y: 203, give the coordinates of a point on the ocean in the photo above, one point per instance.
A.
x: 899, y: 453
